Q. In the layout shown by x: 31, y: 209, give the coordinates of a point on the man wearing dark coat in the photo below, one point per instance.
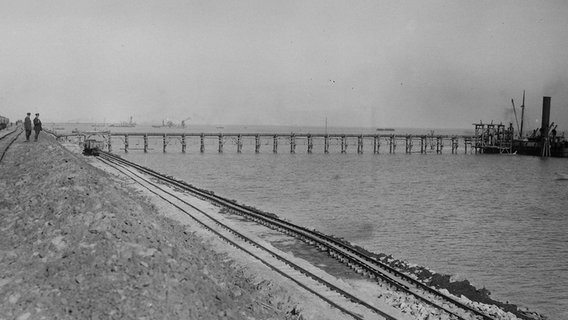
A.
x: 28, y: 126
x: 37, y: 126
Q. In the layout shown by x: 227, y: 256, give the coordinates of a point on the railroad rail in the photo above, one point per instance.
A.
x: 7, y: 139
x: 343, y: 252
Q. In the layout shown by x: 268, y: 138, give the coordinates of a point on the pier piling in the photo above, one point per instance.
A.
x: 275, y: 144
x: 488, y: 134
x: 145, y: 143
x: 239, y: 144
x: 292, y: 143
x: 257, y: 144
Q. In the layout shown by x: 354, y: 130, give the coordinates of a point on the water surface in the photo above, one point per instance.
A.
x: 498, y: 221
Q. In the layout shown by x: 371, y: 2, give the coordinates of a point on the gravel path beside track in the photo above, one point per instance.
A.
x: 76, y: 243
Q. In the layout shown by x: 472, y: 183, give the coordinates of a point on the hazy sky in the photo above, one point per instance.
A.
x: 358, y: 63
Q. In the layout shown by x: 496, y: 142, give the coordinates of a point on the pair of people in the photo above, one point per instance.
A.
x: 28, y: 126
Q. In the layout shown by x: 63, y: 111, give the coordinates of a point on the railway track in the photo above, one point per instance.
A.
x: 7, y: 139
x: 335, y: 295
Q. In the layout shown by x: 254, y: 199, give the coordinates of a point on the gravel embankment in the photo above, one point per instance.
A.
x: 76, y: 244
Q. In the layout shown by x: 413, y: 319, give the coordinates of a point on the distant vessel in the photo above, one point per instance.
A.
x: 385, y: 129
x: 171, y: 124
x: 124, y: 124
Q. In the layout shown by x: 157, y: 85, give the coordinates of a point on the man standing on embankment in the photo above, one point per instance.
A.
x: 28, y: 126
x: 37, y: 126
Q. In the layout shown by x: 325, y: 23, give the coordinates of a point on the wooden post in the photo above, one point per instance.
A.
x: 202, y: 147
x: 360, y: 144
x: 343, y: 145
x: 183, y: 143
x: 326, y: 144
x: 275, y: 144
x: 292, y: 143
x: 422, y: 138
x: 126, y: 143
x: 109, y: 143
x: 310, y: 143
x: 257, y: 144
x: 164, y: 142
x: 391, y: 143
x: 239, y: 144
x: 220, y: 143
x: 454, y: 145
x: 145, y: 143
x: 375, y: 142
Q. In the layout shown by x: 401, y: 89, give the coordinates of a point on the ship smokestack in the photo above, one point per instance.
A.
x: 545, y: 114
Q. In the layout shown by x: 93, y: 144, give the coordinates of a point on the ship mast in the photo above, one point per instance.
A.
x: 522, y: 116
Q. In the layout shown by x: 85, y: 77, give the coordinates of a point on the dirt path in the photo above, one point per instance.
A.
x: 75, y: 243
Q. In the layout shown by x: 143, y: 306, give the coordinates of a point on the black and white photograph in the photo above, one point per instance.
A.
x: 296, y: 160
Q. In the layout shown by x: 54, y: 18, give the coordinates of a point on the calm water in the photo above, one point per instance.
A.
x: 499, y: 221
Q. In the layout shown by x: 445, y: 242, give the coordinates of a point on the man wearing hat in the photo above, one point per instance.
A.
x: 37, y: 126
x: 28, y: 126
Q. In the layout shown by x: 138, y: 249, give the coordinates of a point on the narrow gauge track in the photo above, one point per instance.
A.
x: 360, y: 261
x: 7, y: 140
x: 337, y: 297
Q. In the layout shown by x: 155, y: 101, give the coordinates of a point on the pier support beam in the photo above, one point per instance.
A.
x: 239, y: 144
x: 275, y: 144
x: 145, y: 143
x: 376, y: 144
x: 164, y: 142
x: 257, y: 144
x: 326, y: 144
x: 360, y: 144
x: 221, y: 143
x: 292, y: 143
x: 202, y: 147
x: 125, y: 143
x: 109, y: 143
x: 454, y: 145
x: 392, y: 144
x: 183, y: 144
x: 409, y: 144
x: 343, y: 144
x: 310, y: 143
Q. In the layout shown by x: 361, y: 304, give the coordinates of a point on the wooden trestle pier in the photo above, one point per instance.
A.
x: 292, y: 141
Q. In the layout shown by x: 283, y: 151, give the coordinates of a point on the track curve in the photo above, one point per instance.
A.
x: 349, y: 255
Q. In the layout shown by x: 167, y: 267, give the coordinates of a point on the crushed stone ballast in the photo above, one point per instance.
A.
x: 7, y: 139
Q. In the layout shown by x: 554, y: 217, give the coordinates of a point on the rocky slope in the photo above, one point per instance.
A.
x: 76, y: 244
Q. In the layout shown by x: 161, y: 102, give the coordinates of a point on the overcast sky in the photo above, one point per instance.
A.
x: 373, y: 63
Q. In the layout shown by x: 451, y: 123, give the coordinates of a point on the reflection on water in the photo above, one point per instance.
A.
x: 498, y: 221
